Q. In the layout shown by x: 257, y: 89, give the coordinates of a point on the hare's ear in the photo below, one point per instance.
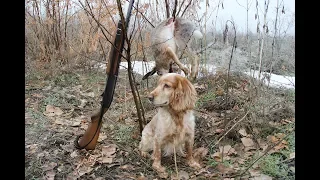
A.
x: 149, y: 73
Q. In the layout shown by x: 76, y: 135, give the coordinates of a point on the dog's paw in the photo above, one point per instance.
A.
x: 160, y: 170
x: 192, y: 163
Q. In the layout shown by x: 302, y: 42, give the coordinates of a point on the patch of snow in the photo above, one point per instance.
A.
x: 277, y: 81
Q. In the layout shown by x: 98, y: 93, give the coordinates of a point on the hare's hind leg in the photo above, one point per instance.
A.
x: 176, y: 60
x: 194, y: 64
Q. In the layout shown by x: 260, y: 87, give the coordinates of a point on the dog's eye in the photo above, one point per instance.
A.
x: 166, y: 86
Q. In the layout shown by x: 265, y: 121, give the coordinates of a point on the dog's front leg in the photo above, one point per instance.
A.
x: 157, y: 160
x: 189, y: 149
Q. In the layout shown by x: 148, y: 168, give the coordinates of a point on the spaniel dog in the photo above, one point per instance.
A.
x: 172, y: 128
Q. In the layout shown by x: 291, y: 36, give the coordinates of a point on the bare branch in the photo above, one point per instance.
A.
x: 186, y: 8
x: 180, y: 8
x: 167, y: 8
x: 142, y: 15
x: 175, y: 9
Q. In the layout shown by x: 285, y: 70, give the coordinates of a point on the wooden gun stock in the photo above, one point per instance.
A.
x: 92, y: 132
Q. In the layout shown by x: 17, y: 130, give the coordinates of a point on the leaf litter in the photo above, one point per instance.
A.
x: 108, y: 156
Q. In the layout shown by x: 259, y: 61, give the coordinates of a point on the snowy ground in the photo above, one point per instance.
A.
x: 278, y: 81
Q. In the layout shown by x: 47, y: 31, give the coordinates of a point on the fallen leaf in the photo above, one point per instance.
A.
x: 217, y: 156
x: 109, y: 150
x: 76, y: 124
x: 99, y: 178
x: 255, y: 130
x: 37, y: 95
x: 142, y: 177
x: 102, y: 137
x: 83, y: 103
x: 50, y: 166
x: 275, y: 139
x: 262, y: 144
x: 182, y: 175
x: 107, y: 160
x: 293, y: 169
x: 128, y: 167
x: 60, y: 122
x: 254, y: 172
x: 248, y: 148
x: 50, y: 175
x: 52, y: 111
x: 197, y: 86
x: 292, y: 155
x: 241, y: 161
x: 220, y: 91
x: 243, y: 132
x: 42, y: 154
x: 224, y: 169
x: 227, y: 150
x: 200, y: 153
x: 235, y: 108
x: 90, y: 94
x: 262, y: 177
x: 47, y: 88
x: 218, y: 131
x: 60, y: 168
x: 68, y: 147
x: 77, y: 88
x: 72, y: 176
x: 74, y: 154
x: 281, y: 145
x: 83, y: 170
x: 68, y: 114
x: 32, y: 148
x: 247, y: 141
x: 280, y: 135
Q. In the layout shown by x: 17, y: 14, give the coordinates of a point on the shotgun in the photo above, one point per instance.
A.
x: 89, y: 139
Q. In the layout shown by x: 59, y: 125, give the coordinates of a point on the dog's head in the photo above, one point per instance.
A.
x: 175, y: 91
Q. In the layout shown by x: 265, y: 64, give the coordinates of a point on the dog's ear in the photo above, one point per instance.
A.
x: 184, y: 96
x: 149, y: 73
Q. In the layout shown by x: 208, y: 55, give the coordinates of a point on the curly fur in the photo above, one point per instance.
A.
x: 173, y: 125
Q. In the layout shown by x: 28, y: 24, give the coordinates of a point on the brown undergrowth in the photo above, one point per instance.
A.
x: 57, y: 109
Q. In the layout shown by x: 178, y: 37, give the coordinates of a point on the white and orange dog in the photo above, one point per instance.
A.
x: 172, y: 128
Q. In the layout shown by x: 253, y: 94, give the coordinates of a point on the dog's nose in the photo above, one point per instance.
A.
x: 150, y: 97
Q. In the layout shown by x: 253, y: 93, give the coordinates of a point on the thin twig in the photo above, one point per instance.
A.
x: 167, y: 8
x: 230, y: 129
x: 175, y: 161
x: 142, y: 15
x: 180, y: 8
x: 262, y: 156
x: 233, y: 47
x: 175, y: 9
x: 186, y: 8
